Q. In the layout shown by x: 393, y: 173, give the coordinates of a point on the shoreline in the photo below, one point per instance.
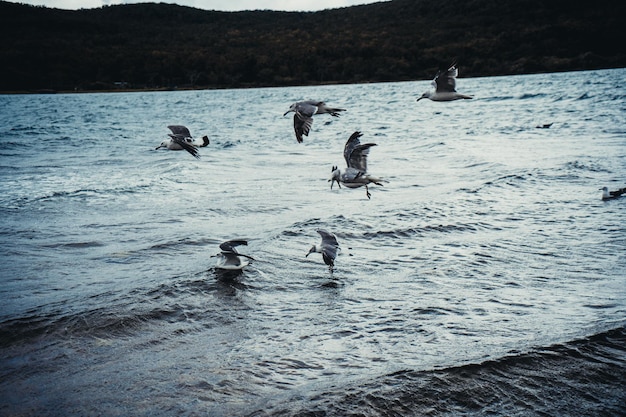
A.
x: 46, y: 91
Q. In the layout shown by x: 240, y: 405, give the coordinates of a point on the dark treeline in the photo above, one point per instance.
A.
x: 166, y: 46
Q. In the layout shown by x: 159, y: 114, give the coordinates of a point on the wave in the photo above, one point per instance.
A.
x: 585, y: 166
x: 115, y: 314
x: 82, y: 193
x: 582, y: 377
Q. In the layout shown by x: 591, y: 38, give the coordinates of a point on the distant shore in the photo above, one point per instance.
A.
x: 163, y: 47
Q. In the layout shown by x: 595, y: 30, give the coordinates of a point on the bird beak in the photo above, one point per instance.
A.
x: 286, y: 113
x: 419, y: 99
x: 310, y: 251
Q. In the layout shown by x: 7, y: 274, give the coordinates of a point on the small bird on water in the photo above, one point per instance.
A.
x: 328, y: 248
x: 230, y: 258
x: 180, y: 139
x: 609, y: 195
x: 445, y: 86
x: 355, y: 174
x: 303, y: 115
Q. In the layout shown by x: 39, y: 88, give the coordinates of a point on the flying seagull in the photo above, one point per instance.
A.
x: 445, y: 86
x: 230, y: 258
x: 608, y: 195
x: 328, y: 248
x: 303, y: 115
x: 180, y: 138
x: 355, y: 174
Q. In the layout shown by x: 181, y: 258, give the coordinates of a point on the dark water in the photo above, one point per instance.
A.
x: 485, y: 277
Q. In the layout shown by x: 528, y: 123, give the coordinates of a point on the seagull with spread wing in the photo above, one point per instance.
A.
x: 303, y: 115
x: 445, y: 86
x: 181, y: 138
x: 355, y: 175
x: 328, y: 248
x: 230, y: 258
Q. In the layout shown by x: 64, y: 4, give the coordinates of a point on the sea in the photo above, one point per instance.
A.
x: 485, y: 276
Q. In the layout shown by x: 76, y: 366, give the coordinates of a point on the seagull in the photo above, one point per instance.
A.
x: 445, y: 83
x: 303, y: 117
x: 328, y: 248
x: 356, y: 174
x: 608, y: 195
x: 230, y: 258
x: 180, y: 138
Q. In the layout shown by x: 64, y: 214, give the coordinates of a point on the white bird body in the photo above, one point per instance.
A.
x: 174, y: 145
x: 353, y: 178
x: 231, y: 263
x: 444, y: 96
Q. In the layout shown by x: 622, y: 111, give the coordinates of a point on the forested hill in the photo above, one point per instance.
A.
x: 165, y: 46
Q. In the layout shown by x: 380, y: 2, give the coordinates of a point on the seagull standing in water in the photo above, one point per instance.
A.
x: 609, y: 195
x: 303, y: 115
x: 328, y: 248
x: 230, y: 258
x: 356, y: 174
x: 445, y: 86
x: 180, y: 139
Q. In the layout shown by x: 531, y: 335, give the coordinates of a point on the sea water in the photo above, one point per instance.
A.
x: 486, y: 275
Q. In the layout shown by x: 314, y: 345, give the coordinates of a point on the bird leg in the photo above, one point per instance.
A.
x: 367, y: 193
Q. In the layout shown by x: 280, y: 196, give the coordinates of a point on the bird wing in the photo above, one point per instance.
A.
x: 446, y: 80
x: 302, y: 125
x: 186, y: 146
x: 355, y: 153
x: 329, y: 256
x: 617, y: 193
x: 328, y: 239
x: 179, y: 130
x: 230, y: 245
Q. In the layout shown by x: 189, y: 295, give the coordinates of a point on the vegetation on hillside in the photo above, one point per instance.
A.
x: 162, y: 45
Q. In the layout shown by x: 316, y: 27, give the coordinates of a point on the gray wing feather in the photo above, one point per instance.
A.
x: 186, y: 146
x: 446, y: 80
x: 328, y: 238
x: 302, y: 125
x: 355, y: 153
x: 230, y: 246
x: 179, y: 130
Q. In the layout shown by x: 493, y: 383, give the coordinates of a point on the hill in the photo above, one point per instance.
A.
x: 162, y: 45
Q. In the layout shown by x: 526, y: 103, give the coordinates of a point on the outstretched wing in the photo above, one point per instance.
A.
x: 186, y: 146
x: 230, y: 245
x: 179, y: 131
x: 355, y: 153
x: 446, y: 80
x: 302, y: 125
